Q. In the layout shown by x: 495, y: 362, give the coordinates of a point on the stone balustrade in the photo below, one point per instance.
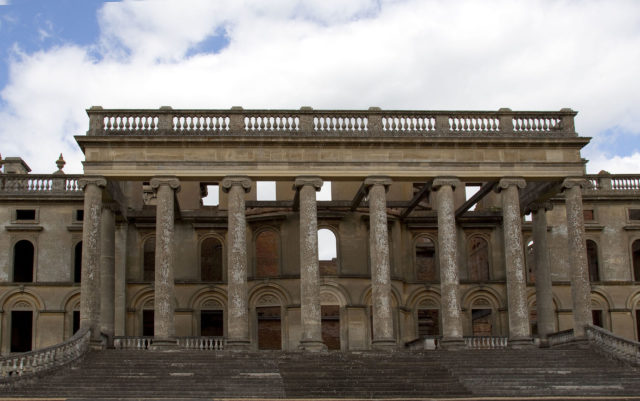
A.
x: 560, y: 337
x: 485, y: 342
x: 610, y: 344
x: 613, y: 182
x: 143, y: 343
x: 25, y: 365
x: 309, y: 122
x: 202, y: 343
x: 40, y: 184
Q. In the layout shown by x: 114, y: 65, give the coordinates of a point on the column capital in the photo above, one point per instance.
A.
x: 96, y: 180
x: 377, y: 180
x: 507, y: 182
x: 439, y: 182
x: 314, y: 181
x: 571, y: 182
x: 536, y: 206
x: 241, y: 180
x: 171, y: 181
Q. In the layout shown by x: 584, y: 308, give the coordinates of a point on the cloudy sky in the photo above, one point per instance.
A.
x: 59, y: 57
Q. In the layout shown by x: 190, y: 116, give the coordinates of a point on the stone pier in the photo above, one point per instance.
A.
x: 238, y: 331
x: 91, y: 242
x: 448, y: 253
x: 310, y: 311
x: 383, y: 337
x: 580, y: 286
x: 164, y: 294
x: 544, y: 289
x: 519, y: 332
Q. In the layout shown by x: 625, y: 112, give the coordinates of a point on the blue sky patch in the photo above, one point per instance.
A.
x: 212, y: 44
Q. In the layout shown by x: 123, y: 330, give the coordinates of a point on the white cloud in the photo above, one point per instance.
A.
x: 331, y: 54
x: 615, y: 164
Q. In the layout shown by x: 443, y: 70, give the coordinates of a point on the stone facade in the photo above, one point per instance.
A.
x: 129, y: 249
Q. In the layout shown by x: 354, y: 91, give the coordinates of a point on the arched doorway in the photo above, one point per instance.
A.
x: 268, y: 313
x: 21, y: 327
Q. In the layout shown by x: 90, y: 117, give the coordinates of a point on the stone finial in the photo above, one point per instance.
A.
x: 604, y: 172
x: 314, y: 181
x: 506, y: 182
x: 377, y: 180
x: 439, y: 182
x: 230, y: 181
x: 171, y: 181
x: 60, y: 164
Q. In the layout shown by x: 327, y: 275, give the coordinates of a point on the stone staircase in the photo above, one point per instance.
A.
x: 121, y: 374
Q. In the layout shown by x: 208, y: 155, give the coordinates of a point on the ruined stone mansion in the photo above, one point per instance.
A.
x: 204, y: 226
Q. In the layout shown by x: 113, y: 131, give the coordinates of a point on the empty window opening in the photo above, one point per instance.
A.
x: 211, y: 260
x: 425, y: 253
x: 428, y: 322
x: 530, y: 262
x: 77, y: 262
x: 635, y: 249
x: 211, y: 323
x: 21, y: 331
x: 638, y: 324
x: 266, y: 190
x: 325, y: 192
x: 267, y: 260
x: 634, y: 214
x: 149, y: 259
x: 597, y: 318
x: 528, y: 218
x: 23, y: 262
x: 533, y: 321
x: 481, y: 322
x: 211, y: 197
x: 469, y: 191
x: 478, y: 259
x: 147, y: 322
x: 25, y: 214
x: 76, y: 321
x: 592, y: 261
x: 79, y: 215
x: 269, y: 327
x: 331, y: 326
x: 327, y: 252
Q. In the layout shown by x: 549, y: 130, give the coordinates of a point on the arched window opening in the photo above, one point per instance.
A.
x: 597, y: 316
x: 77, y: 263
x: 149, y: 259
x: 530, y: 262
x: 148, y: 322
x: 635, y: 249
x: 211, y: 260
x: 478, y: 253
x: 428, y: 322
x: 23, y: 262
x: 637, y: 311
x: 21, y: 330
x: 76, y: 321
x: 267, y: 254
x: 592, y: 261
x: 481, y: 322
x: 425, y: 252
x: 327, y: 252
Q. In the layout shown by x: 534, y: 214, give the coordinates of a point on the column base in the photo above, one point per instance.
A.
x: 238, y: 344
x: 387, y: 344
x: 452, y: 343
x: 164, y: 344
x: 520, y: 343
x: 312, y: 346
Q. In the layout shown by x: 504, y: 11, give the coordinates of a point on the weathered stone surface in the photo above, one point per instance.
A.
x: 107, y: 274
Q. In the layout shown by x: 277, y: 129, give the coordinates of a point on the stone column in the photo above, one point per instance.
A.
x: 580, y: 286
x: 310, y: 311
x: 91, y: 230
x: 544, y: 292
x: 164, y: 293
x: 120, y: 299
x: 380, y: 268
x: 519, y: 332
x: 107, y: 275
x: 448, y: 255
x: 237, y: 294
